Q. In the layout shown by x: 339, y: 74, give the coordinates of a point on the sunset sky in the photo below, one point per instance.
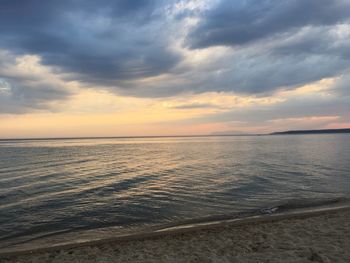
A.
x: 131, y: 68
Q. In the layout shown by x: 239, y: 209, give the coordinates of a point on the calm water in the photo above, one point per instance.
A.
x: 64, y: 186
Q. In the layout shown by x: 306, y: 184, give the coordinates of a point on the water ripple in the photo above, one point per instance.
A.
x: 52, y: 187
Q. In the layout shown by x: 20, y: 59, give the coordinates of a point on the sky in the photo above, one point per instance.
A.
x: 81, y: 68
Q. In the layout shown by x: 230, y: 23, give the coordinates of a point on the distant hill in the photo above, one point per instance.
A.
x: 327, y: 131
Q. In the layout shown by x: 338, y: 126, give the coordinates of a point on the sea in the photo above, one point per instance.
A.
x: 61, y: 191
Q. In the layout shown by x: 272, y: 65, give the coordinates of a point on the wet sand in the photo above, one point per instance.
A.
x: 310, y: 237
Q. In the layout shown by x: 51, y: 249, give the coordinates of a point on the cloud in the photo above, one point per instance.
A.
x: 294, y: 108
x: 99, y: 42
x: 316, y: 105
x: 25, y: 85
x: 21, y: 98
x: 342, y: 86
x: 325, y: 40
x: 239, y: 22
x: 192, y: 106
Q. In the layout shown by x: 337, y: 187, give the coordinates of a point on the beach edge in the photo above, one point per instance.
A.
x: 179, y: 229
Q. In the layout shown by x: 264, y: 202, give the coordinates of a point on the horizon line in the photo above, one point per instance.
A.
x: 129, y: 137
x: 288, y: 132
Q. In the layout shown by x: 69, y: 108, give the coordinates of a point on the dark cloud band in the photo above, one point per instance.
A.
x: 128, y: 46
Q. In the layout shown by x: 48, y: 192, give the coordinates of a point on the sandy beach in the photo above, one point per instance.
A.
x: 311, y: 238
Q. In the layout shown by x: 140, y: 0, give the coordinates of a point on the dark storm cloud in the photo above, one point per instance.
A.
x: 100, y: 42
x: 237, y: 22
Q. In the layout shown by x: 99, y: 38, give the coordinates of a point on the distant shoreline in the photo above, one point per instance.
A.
x: 324, y: 131
x: 291, y: 132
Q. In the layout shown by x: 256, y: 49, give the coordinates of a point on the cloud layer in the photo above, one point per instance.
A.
x: 163, y: 48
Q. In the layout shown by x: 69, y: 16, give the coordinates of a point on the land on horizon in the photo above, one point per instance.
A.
x: 321, y: 131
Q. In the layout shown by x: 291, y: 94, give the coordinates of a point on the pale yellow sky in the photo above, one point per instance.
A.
x: 95, y: 112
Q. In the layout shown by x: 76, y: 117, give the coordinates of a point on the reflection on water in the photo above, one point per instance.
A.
x: 53, y: 186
